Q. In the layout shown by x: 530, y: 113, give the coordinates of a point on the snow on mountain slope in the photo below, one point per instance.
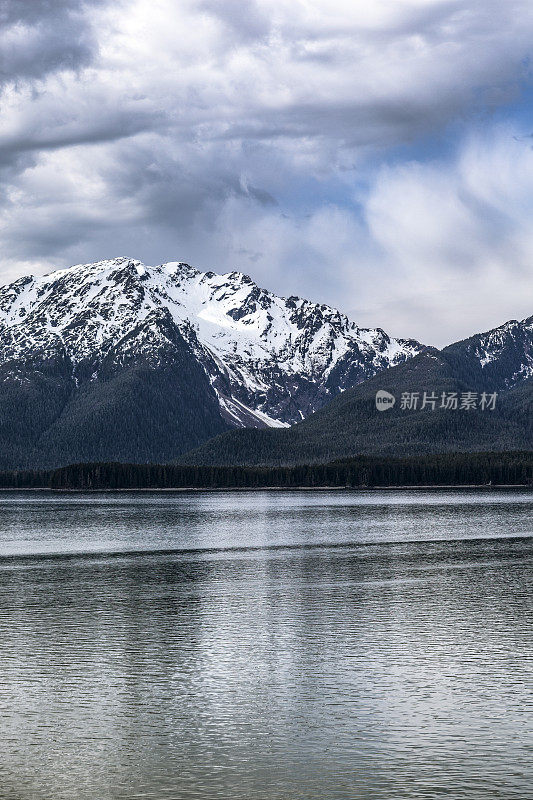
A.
x: 505, y: 353
x: 270, y: 360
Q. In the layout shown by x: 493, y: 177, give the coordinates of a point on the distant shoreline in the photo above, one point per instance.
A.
x: 255, y: 489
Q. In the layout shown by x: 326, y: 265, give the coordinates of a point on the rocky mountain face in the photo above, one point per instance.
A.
x: 118, y: 360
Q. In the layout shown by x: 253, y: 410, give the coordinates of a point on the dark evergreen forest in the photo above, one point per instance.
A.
x: 450, y: 469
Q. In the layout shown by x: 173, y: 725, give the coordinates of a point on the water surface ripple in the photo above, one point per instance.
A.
x: 266, y: 646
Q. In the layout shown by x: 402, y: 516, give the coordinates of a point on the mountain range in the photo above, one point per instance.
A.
x: 117, y: 360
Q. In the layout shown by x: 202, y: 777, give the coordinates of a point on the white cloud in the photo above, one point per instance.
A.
x: 456, y: 238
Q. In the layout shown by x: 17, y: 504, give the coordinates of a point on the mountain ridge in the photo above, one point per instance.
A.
x: 498, y: 361
x: 271, y: 360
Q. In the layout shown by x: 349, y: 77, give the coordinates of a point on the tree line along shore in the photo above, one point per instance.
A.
x: 449, y: 469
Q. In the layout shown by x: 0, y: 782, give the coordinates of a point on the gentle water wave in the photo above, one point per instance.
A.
x: 116, y: 522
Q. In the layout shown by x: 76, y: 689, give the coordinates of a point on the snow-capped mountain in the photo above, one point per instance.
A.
x: 270, y: 361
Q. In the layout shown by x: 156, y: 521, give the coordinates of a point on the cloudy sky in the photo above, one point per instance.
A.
x: 373, y: 155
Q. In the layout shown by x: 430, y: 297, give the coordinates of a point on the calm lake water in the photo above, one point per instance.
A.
x: 270, y: 645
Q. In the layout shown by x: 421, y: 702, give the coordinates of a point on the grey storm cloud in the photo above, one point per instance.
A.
x: 109, y: 125
x: 38, y: 37
x: 222, y: 131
